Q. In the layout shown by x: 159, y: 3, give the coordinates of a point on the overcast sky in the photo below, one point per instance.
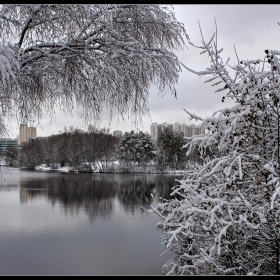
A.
x: 250, y: 28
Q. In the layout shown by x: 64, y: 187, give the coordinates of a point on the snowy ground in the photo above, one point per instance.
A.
x: 67, y: 168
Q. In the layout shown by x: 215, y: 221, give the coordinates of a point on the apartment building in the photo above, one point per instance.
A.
x: 188, y: 130
x: 25, y: 133
x: 7, y: 142
x: 117, y: 133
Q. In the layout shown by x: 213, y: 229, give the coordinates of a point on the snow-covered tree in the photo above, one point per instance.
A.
x: 170, y: 152
x: 223, y: 217
x: 86, y: 55
x: 136, y: 147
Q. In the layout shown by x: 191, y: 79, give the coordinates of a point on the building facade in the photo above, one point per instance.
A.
x: 25, y: 133
x: 7, y: 142
x: 155, y: 130
x: 188, y: 130
x: 117, y: 133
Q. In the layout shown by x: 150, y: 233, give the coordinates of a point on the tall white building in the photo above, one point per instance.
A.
x: 25, y: 133
x: 155, y: 130
x: 188, y: 130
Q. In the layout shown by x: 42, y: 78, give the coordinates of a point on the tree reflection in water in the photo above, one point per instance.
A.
x: 96, y: 194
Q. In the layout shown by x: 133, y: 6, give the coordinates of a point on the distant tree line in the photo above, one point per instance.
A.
x: 77, y: 149
x: 71, y: 147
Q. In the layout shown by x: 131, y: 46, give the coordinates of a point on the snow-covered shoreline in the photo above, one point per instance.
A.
x: 67, y: 168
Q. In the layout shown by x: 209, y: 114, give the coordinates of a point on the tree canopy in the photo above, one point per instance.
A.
x: 88, y: 55
x: 136, y: 147
x: 170, y: 152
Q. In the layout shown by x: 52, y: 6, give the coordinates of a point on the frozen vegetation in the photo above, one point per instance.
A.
x: 223, y: 218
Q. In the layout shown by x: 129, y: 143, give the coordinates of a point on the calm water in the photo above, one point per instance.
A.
x: 80, y: 224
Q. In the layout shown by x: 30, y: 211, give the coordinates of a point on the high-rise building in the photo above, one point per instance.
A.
x: 22, y: 133
x: 117, y: 133
x: 25, y: 133
x: 155, y: 130
x: 31, y: 132
x: 188, y: 130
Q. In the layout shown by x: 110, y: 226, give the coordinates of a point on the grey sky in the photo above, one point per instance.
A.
x: 251, y: 28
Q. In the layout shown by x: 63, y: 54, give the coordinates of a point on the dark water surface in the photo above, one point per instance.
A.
x: 80, y: 224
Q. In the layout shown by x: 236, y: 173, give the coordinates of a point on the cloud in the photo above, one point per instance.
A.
x: 250, y: 28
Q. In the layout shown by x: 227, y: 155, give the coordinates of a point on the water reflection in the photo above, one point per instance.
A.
x: 97, y: 194
x: 81, y: 224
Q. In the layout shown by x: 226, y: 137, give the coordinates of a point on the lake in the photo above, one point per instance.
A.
x: 81, y: 224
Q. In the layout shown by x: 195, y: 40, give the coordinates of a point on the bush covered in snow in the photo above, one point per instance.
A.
x: 224, y: 217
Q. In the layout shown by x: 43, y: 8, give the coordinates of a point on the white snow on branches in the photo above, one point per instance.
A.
x: 8, y: 64
x: 223, y: 217
x: 96, y: 56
